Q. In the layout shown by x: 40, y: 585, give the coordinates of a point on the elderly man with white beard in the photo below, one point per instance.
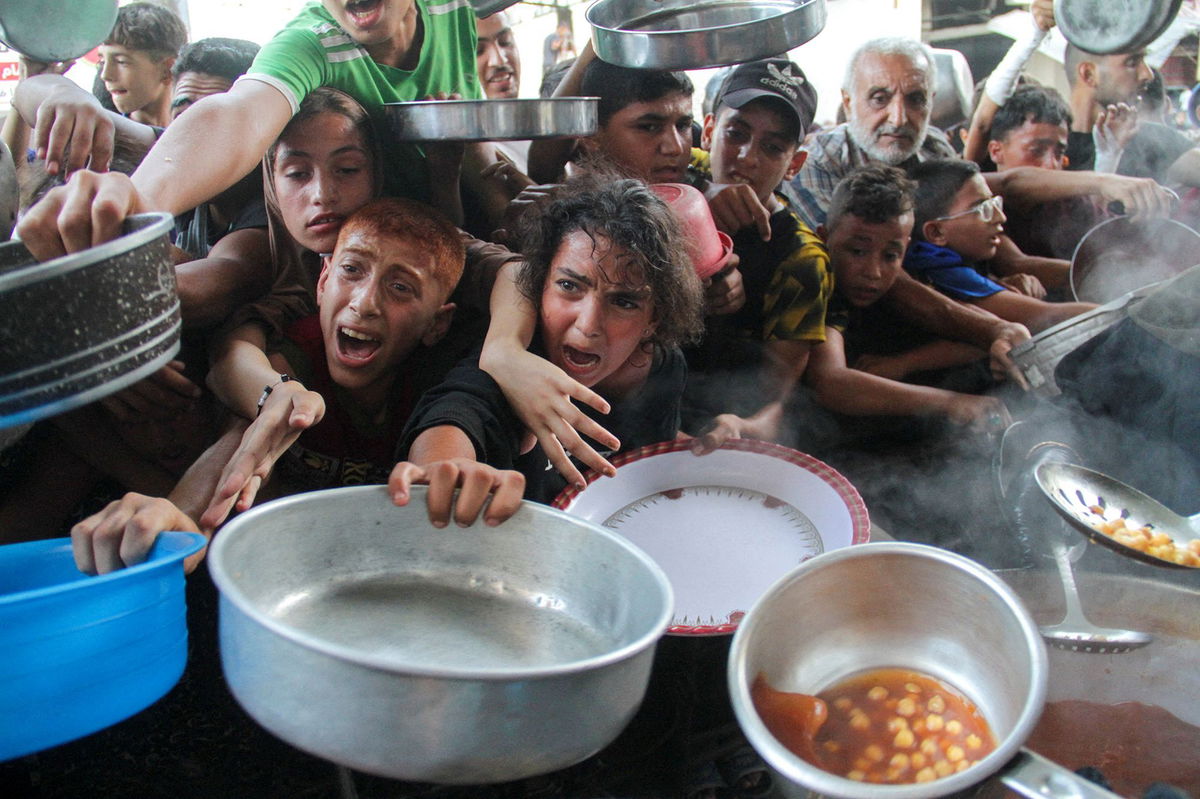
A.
x: 887, y: 95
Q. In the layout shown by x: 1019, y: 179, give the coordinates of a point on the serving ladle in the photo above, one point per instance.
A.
x: 1075, y: 632
x: 1075, y: 490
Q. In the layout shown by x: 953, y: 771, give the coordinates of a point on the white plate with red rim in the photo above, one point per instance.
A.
x: 723, y: 526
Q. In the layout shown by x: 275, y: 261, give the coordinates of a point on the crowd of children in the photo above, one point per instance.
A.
x: 347, y: 322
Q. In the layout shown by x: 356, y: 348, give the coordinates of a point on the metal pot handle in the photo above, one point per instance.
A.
x: 1035, y: 777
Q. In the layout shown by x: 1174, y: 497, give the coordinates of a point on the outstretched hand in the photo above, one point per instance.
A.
x: 724, y: 292
x: 736, y: 206
x: 72, y: 130
x: 540, y: 394
x: 289, y: 410
x: 979, y: 413
x: 1043, y: 13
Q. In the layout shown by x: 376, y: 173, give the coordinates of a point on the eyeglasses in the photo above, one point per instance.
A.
x: 986, y: 210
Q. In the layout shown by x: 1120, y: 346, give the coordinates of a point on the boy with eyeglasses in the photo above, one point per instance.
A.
x: 957, y: 232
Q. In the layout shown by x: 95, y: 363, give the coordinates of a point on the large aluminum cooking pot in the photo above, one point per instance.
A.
x: 900, y: 605
x: 56, y: 30
x: 82, y: 326
x: 1120, y: 255
x: 357, y: 631
x: 1135, y: 689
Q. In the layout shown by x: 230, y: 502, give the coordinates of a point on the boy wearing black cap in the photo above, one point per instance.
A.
x: 750, y: 144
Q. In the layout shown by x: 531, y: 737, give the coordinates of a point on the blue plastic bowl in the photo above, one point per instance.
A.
x: 81, y: 653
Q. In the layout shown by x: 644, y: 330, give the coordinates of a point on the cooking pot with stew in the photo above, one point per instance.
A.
x: 946, y: 669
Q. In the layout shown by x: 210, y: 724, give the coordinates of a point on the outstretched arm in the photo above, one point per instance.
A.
x: 942, y: 316
x: 1030, y: 186
x: 208, y: 149
x: 1001, y: 84
x: 215, y: 144
x: 856, y: 393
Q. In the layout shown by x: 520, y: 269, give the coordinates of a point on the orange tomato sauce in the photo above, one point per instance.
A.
x: 888, y: 726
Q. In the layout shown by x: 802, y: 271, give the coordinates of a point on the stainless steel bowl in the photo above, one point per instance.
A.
x: 685, y: 34
x: 493, y: 120
x: 891, y: 605
x: 358, y: 632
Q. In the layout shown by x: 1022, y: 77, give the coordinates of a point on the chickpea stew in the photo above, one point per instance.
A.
x: 887, y: 726
x: 1146, y: 539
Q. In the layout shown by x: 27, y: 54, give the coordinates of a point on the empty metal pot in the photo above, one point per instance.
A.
x: 80, y: 327
x: 357, y: 631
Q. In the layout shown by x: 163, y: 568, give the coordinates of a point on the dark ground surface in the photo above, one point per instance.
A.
x: 197, y: 742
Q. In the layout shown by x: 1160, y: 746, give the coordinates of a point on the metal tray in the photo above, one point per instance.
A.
x: 684, y: 34
x: 493, y: 120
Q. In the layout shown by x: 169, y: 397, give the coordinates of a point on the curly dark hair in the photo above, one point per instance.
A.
x: 875, y: 194
x: 627, y: 214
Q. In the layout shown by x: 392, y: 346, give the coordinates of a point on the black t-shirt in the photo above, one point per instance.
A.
x: 470, y: 400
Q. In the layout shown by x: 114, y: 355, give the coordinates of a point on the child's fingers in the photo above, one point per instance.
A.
x: 506, y: 499
x: 443, y: 479
x: 403, y: 475
x: 587, y: 396
x: 476, y: 482
x: 249, y: 492
x: 559, y: 460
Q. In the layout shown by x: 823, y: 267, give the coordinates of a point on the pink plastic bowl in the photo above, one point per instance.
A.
x: 708, y: 247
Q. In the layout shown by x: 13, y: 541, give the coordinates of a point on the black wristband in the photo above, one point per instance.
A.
x: 283, y: 378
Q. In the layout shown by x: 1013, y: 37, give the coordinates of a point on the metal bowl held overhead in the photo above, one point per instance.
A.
x: 357, y: 631
x: 493, y: 120
x: 82, y: 653
x: 1114, y: 26
x: 685, y: 34
x: 56, y: 30
x: 80, y: 327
